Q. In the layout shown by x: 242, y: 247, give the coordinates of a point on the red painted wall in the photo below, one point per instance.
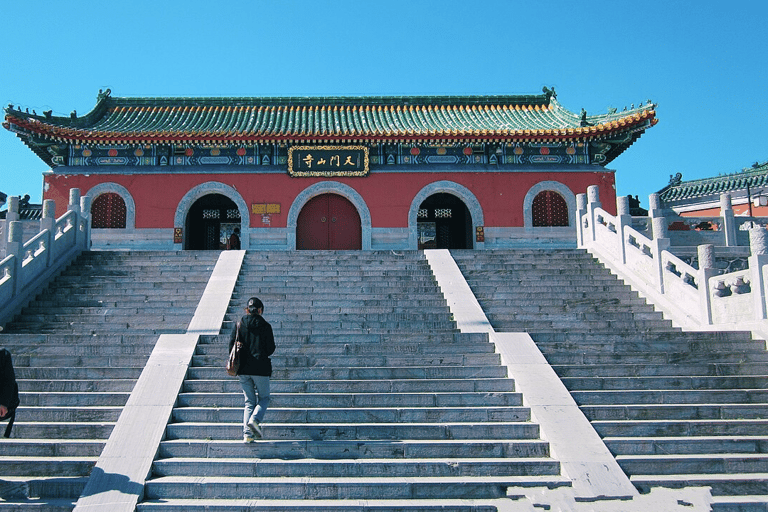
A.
x: 388, y: 196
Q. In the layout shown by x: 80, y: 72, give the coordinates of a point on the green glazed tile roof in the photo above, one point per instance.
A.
x: 754, y: 177
x: 332, y: 119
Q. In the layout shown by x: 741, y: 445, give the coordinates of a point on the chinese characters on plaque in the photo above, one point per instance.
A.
x: 328, y: 161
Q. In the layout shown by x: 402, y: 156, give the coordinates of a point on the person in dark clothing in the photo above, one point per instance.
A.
x: 9, y: 390
x: 258, y: 341
x: 234, y: 240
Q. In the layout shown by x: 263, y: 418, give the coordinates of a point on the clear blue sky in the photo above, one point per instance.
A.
x: 704, y: 63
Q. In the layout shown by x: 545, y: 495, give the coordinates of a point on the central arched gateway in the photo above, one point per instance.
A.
x: 329, y: 222
x: 210, y: 221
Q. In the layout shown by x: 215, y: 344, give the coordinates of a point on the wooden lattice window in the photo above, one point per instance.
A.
x: 108, y: 211
x: 549, y: 209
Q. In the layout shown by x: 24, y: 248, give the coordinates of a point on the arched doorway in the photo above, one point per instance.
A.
x: 328, y: 222
x: 210, y: 221
x: 444, y: 222
x: 549, y: 209
x: 108, y: 210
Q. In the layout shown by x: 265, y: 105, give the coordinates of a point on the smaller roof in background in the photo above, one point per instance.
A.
x: 753, y: 177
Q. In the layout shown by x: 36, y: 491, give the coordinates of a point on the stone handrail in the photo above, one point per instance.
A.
x: 29, y: 265
x: 695, y: 298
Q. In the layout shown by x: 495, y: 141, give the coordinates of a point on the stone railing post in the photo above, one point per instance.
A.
x: 12, y: 214
x: 581, y: 210
x: 85, y: 214
x: 74, y: 206
x: 707, y: 269
x: 48, y: 222
x: 15, y: 248
x: 74, y: 200
x: 758, y: 244
x: 660, y: 240
x: 729, y: 220
x: 623, y: 218
x: 593, y: 202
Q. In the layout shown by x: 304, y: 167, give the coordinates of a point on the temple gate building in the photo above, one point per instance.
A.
x: 456, y: 172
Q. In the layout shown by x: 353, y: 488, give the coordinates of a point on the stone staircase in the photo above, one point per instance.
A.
x: 676, y: 408
x: 78, y: 349
x: 378, y: 403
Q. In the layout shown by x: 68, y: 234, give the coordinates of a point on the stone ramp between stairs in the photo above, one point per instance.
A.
x: 675, y: 408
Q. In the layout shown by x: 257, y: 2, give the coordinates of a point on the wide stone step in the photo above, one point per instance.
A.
x: 387, y: 318
x: 358, y: 431
x: 105, y: 330
x: 356, y: 468
x: 53, y: 399
x: 352, y: 311
x: 629, y: 318
x: 648, y: 370
x: 544, y: 305
x: 69, y: 414
x: 69, y: 373
x: 194, y: 383
x: 730, y: 484
x: 15, y: 447
x: 52, y: 386
x: 324, y: 400
x: 329, y: 449
x: 26, y: 466
x: 344, y: 347
x: 97, y: 295
x: 693, y: 411
x: 66, y: 311
x: 599, y: 359
x: 125, y: 318
x: 67, y: 340
x: 694, y: 463
x: 345, y: 288
x: 48, y: 492
x: 576, y: 325
x: 644, y: 341
x: 135, y: 360
x: 382, y: 373
x: 314, y: 488
x: 688, y: 445
x: 57, y: 430
x: 132, y: 280
x: 351, y: 326
x: 318, y: 415
x: 362, y: 341
x: 365, y: 361
x: 665, y: 396
x: 666, y: 382
x: 81, y: 350
x: 677, y: 428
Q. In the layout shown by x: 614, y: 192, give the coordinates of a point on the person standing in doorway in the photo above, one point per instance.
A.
x: 258, y: 341
x: 233, y: 243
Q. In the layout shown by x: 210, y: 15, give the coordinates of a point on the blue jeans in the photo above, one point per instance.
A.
x: 256, y: 392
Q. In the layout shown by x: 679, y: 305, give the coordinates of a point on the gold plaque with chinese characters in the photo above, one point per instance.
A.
x: 328, y: 161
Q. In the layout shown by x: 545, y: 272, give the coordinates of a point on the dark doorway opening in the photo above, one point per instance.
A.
x: 210, y: 221
x: 444, y: 222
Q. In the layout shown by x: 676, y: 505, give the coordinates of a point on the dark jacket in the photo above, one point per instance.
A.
x: 258, y: 344
x: 9, y: 390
